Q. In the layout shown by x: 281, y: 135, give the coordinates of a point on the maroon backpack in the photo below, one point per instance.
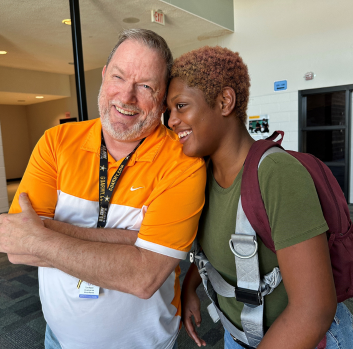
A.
x: 333, y: 203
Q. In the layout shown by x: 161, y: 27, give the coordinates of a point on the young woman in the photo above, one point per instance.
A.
x: 208, y: 98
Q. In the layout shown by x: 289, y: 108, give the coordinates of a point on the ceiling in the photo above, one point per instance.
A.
x: 15, y: 98
x: 33, y: 34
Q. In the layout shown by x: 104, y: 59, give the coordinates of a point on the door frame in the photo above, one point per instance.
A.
x: 302, y: 94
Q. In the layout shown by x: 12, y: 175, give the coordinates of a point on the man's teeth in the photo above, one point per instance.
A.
x: 124, y: 112
x: 184, y: 134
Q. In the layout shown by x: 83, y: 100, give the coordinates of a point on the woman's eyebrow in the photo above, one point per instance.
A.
x: 175, y: 97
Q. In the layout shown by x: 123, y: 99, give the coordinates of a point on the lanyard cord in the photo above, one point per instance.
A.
x: 106, y: 192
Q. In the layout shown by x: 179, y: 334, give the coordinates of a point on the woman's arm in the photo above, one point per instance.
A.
x: 191, y: 304
x: 307, y: 276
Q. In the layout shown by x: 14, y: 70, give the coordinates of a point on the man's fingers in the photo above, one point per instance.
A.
x: 25, y: 203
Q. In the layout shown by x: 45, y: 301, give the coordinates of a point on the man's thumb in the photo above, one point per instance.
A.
x: 24, y: 202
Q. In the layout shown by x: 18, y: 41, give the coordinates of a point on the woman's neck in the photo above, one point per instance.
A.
x: 229, y: 158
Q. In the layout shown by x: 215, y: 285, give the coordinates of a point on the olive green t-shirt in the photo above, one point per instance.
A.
x: 294, y: 212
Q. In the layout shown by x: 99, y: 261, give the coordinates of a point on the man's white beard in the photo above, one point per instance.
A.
x: 134, y: 132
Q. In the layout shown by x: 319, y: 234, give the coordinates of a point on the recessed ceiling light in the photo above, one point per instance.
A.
x: 3, y: 52
x: 21, y: 100
x: 71, y: 63
x: 131, y: 20
x: 66, y: 21
x: 39, y: 97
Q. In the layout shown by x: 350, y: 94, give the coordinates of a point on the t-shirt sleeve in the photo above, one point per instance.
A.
x: 291, y: 200
x: 40, y: 179
x: 170, y: 223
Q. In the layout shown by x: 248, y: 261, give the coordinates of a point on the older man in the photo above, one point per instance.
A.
x: 116, y: 287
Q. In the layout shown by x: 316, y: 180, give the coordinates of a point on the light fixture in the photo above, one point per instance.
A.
x: 66, y: 21
x: 72, y: 63
x: 39, y: 97
x: 21, y: 100
x: 3, y: 52
x: 131, y: 20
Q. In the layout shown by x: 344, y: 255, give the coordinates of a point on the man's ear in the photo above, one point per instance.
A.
x: 226, y: 100
x: 103, y: 71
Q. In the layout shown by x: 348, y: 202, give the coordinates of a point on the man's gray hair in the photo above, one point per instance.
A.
x: 151, y: 40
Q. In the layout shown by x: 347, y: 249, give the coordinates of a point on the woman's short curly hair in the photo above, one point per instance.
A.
x: 211, y: 69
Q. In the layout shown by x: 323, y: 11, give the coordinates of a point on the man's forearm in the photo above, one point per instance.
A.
x: 110, y: 235
x: 113, y: 266
x: 27, y: 260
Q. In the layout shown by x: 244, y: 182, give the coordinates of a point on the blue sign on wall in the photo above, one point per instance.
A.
x: 281, y: 85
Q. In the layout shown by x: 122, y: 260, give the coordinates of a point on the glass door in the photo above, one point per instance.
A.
x: 324, y: 128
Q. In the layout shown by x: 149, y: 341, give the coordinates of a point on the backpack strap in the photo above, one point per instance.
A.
x: 275, y: 135
x: 252, y: 202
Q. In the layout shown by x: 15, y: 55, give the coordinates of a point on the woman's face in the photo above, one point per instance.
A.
x: 192, y: 119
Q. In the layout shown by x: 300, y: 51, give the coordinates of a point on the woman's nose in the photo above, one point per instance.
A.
x: 173, y: 120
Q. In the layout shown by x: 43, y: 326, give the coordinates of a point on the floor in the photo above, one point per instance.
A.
x: 22, y: 324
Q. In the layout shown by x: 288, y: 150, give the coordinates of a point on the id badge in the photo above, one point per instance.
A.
x: 88, y: 290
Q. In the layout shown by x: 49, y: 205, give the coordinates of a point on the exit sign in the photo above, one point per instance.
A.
x: 157, y: 17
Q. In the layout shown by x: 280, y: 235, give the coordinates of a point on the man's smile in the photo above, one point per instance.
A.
x: 125, y: 112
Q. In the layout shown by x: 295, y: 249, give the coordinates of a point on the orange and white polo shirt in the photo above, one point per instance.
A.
x: 160, y: 194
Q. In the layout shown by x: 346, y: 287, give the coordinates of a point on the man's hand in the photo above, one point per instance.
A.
x: 17, y: 231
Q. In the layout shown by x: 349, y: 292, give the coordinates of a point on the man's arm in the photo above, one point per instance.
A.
x: 27, y: 260
x: 117, y: 236
x: 120, y: 267
x: 167, y: 229
x: 109, y: 235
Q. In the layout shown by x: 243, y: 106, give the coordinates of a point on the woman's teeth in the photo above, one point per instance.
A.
x: 124, y: 112
x: 184, y: 134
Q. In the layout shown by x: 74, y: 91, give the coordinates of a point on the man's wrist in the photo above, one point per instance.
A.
x: 37, y: 241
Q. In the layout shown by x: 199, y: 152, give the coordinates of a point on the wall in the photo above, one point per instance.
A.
x: 45, y: 115
x: 30, y: 81
x: 15, y: 139
x: 93, y: 79
x: 4, y: 201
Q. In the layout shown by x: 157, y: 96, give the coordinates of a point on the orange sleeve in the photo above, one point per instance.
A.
x: 40, y: 178
x: 171, y: 219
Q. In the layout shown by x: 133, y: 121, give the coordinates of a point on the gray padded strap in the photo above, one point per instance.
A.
x: 271, y: 151
x: 217, y: 284
x: 248, y: 275
x: 245, y: 244
x: 252, y: 321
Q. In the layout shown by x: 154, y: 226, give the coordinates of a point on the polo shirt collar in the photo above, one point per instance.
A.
x: 147, y: 151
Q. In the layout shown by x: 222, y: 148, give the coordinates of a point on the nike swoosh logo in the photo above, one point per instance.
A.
x: 133, y: 189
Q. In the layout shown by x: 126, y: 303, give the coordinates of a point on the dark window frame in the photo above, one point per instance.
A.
x: 302, y: 108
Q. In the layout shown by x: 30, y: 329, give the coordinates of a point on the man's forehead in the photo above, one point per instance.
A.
x: 132, y: 54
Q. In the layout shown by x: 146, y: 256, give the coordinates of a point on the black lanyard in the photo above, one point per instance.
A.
x: 106, y: 192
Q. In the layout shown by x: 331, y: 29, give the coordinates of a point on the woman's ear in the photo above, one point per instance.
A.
x: 226, y: 100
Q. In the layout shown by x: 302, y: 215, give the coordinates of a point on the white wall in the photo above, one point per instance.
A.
x: 4, y: 201
x: 15, y: 145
